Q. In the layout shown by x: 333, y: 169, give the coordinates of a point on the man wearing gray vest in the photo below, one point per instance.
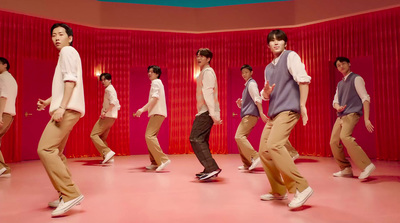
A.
x: 250, y: 110
x: 350, y: 99
x: 287, y: 100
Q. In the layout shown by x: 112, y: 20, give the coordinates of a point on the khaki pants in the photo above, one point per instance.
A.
x: 278, y: 164
x: 7, y: 121
x: 99, y: 134
x: 50, y: 150
x: 157, y: 156
x: 246, y: 150
x: 343, y: 130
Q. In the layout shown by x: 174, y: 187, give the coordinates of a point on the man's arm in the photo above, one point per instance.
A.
x: 146, y: 107
x: 208, y: 93
x: 3, y: 101
x: 304, y: 88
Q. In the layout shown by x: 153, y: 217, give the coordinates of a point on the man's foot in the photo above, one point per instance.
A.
x: 346, y: 172
x: 255, y: 163
x: 63, y: 207
x: 108, y: 156
x: 300, y: 198
x: 152, y: 167
x: 207, y: 176
x: 243, y: 167
x: 270, y: 197
x: 367, y: 171
x: 163, y: 165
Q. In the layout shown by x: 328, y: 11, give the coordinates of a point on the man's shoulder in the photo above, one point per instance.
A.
x: 69, y: 50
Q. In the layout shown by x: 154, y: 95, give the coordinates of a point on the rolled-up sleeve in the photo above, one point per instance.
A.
x: 68, y: 64
x: 112, y: 97
x: 361, y: 90
x: 253, y: 91
x: 297, y: 68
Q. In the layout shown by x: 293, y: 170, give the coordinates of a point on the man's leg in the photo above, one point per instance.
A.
x: 153, y: 127
x: 246, y: 150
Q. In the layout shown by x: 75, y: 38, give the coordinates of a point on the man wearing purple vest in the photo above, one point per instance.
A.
x: 350, y: 99
x: 250, y: 110
x: 287, y: 101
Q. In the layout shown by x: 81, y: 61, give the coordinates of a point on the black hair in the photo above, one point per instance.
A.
x: 68, y: 30
x: 246, y: 66
x: 278, y: 35
x: 106, y: 76
x: 5, y: 61
x: 156, y: 69
x: 205, y: 52
x: 341, y: 59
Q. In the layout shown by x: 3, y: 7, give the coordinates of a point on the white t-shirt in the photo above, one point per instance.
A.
x: 69, y: 68
x: 157, y: 91
x: 9, y: 90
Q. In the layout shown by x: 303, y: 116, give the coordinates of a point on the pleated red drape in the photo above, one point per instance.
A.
x: 374, y: 34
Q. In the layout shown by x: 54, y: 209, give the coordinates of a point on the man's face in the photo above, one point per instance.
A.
x: 105, y: 82
x: 152, y: 75
x: 60, y: 38
x: 202, y: 60
x: 343, y: 67
x: 277, y: 46
x: 3, y: 67
x: 246, y: 74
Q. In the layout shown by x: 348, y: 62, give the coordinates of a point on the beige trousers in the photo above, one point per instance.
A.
x: 157, y: 156
x: 343, y: 130
x: 246, y: 150
x: 277, y: 162
x: 50, y: 150
x: 99, y: 134
x: 7, y: 121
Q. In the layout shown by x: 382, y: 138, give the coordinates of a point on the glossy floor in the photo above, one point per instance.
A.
x: 126, y: 192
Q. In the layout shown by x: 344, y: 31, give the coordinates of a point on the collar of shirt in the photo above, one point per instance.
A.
x: 247, y: 81
x: 345, y: 77
x: 275, y: 61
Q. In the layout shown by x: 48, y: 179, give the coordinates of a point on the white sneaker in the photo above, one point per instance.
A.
x: 295, y: 157
x: 270, y: 197
x: 242, y: 167
x: 300, y: 198
x: 255, y: 163
x: 108, y: 156
x: 54, y: 204
x: 163, y: 165
x: 111, y: 160
x: 367, y: 171
x: 346, y: 172
x: 63, y: 207
x: 151, y: 167
x: 2, y: 174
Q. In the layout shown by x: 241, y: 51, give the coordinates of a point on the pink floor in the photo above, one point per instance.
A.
x: 126, y: 192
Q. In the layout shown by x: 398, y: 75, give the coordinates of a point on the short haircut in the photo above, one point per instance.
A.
x: 68, y: 30
x: 246, y: 66
x: 278, y: 35
x: 156, y: 69
x: 205, y: 52
x: 341, y: 59
x: 5, y: 61
x: 106, y: 76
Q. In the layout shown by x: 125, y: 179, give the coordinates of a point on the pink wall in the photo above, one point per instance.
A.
x: 179, y: 19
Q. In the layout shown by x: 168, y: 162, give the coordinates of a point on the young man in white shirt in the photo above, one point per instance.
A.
x: 157, y: 111
x: 287, y: 101
x: 350, y: 99
x: 67, y: 106
x: 109, y: 113
x: 8, y: 94
x: 208, y: 114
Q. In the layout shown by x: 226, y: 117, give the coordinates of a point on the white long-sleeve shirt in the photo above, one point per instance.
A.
x: 111, y: 98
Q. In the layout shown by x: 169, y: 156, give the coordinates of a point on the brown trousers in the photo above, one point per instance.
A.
x: 50, y: 150
x: 277, y: 162
x: 343, y: 130
x: 157, y: 156
x: 7, y: 121
x: 99, y: 134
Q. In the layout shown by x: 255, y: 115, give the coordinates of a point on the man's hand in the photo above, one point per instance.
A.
x: 304, y: 116
x: 369, y: 126
x: 239, y: 102
x: 216, y: 121
x: 41, y: 104
x: 1, y: 121
x: 268, y: 89
x: 264, y: 118
x: 340, y: 108
x: 139, y: 112
x: 103, y: 115
x: 58, y: 115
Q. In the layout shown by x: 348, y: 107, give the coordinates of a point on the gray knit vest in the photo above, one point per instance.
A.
x: 347, y: 95
x: 249, y: 107
x: 286, y: 94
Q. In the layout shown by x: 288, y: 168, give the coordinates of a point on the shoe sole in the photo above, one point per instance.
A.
x: 303, y: 202
x: 66, y: 209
